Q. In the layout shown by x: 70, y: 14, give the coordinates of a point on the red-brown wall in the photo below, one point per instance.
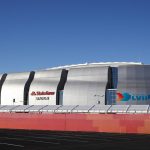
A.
x: 114, y: 123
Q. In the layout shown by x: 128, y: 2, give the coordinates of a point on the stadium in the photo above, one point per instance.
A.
x: 84, y: 84
x: 91, y: 97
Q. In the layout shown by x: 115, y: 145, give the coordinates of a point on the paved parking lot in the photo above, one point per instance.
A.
x: 42, y: 140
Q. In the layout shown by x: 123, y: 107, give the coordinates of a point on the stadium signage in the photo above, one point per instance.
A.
x: 133, y: 97
x: 42, y: 98
x: 38, y: 93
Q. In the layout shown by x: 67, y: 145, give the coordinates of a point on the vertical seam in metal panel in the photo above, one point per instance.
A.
x: 61, y: 84
x: 108, y: 85
x: 27, y: 87
x: 3, y: 78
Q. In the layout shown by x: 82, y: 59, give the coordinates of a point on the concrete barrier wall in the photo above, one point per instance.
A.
x: 111, y: 123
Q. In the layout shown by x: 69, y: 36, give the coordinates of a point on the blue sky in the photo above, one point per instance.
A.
x: 37, y: 34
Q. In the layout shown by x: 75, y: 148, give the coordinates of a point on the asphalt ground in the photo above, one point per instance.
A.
x: 52, y: 140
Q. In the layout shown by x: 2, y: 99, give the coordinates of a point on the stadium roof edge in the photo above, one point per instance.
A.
x: 115, y: 64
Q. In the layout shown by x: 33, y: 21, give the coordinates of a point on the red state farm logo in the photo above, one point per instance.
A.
x: 42, y: 93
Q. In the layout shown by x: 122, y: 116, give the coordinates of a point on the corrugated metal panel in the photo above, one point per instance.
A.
x: 13, y: 89
x: 86, y: 86
x: 45, y: 86
x: 134, y: 84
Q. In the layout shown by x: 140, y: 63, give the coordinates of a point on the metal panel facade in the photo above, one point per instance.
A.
x: 13, y: 89
x: 43, y: 89
x: 86, y: 86
x: 133, y: 84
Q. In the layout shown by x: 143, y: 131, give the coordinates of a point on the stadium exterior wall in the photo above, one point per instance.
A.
x: 45, y: 87
x: 86, y: 86
x: 122, y: 84
x: 14, y: 88
x: 133, y: 85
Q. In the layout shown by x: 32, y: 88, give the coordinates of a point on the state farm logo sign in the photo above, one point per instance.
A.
x: 42, y: 93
